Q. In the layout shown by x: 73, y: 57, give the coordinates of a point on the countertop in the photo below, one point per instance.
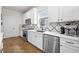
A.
x: 61, y: 35
x: 58, y: 34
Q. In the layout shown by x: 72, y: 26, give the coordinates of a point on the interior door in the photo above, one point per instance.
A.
x: 10, y: 28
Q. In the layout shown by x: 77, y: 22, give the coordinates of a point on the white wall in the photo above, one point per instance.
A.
x: 11, y: 23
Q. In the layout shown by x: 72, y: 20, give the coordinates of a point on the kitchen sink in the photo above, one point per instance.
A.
x: 40, y: 31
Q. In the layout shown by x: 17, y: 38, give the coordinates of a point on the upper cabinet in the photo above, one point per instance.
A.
x: 32, y: 13
x: 63, y: 13
x: 70, y: 13
x: 53, y: 13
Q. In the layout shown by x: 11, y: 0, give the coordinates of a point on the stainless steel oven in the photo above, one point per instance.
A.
x: 25, y: 35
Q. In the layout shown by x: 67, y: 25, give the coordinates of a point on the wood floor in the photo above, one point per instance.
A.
x: 18, y: 45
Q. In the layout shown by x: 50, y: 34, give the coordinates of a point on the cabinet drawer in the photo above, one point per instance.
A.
x: 73, y: 43
x: 69, y: 46
x: 64, y: 48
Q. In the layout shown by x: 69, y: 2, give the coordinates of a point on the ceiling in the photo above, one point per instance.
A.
x: 21, y: 9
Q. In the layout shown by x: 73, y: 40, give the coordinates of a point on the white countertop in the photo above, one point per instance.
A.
x: 58, y: 34
x: 61, y: 35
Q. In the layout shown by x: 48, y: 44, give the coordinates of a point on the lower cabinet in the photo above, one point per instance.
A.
x: 69, y: 46
x: 36, y: 38
x: 53, y: 44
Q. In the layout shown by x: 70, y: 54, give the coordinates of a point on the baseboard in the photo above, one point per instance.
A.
x: 11, y: 37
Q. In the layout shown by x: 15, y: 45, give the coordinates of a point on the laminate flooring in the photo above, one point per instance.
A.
x: 18, y: 45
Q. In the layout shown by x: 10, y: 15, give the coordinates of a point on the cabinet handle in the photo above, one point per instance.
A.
x: 69, y: 42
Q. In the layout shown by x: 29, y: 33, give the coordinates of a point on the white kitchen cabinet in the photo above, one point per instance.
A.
x: 70, y: 13
x: 53, y: 13
x: 32, y: 13
x: 31, y: 37
x: 67, y: 49
x: 63, y: 13
x: 36, y: 38
x: 69, y: 46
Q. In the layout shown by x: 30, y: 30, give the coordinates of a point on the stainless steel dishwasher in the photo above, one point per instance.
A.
x: 51, y: 44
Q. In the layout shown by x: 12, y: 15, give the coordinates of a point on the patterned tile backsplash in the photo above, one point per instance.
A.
x: 55, y: 27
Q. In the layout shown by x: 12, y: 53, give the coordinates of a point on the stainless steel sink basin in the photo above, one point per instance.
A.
x: 40, y: 31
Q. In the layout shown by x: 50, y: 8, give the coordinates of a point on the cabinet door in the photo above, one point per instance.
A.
x: 31, y: 37
x: 53, y: 13
x: 68, y: 46
x: 38, y: 40
x: 70, y: 13
x: 68, y: 49
x: 76, y: 13
x: 27, y: 15
x: 34, y: 16
x: 31, y: 14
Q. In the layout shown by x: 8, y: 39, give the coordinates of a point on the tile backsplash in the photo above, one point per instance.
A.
x: 55, y: 27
